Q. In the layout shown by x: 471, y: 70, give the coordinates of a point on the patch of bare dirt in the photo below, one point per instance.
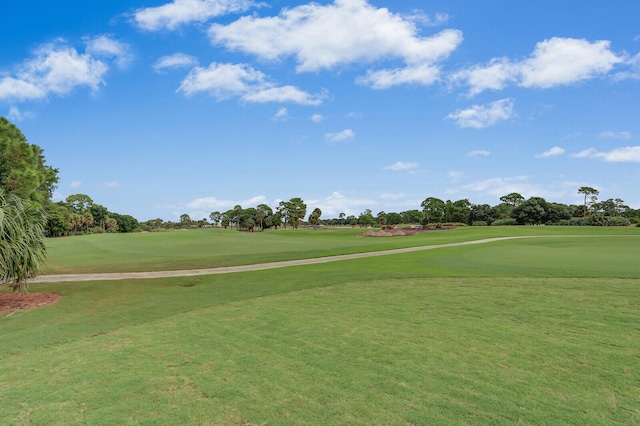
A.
x: 11, y: 302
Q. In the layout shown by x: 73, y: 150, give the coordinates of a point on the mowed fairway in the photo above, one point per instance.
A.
x: 531, y: 331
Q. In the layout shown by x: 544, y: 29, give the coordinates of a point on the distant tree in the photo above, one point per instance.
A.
x: 297, y: 211
x: 125, y: 222
x: 457, y: 211
x: 512, y: 199
x: 530, y: 212
x: 412, y: 216
x: 215, y: 217
x: 185, y: 220
x: 587, y: 191
x: 58, y: 219
x: 22, y: 247
x: 237, y: 215
x: 381, y: 217
x: 481, y: 213
x: 366, y: 219
x: 81, y: 203
x: 314, y: 217
x: 433, y: 209
x: 394, y: 218
x: 99, y: 214
x: 262, y: 212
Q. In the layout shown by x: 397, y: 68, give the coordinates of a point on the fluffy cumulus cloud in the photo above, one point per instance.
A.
x: 337, y: 203
x: 241, y: 80
x: 322, y: 37
x: 58, y: 69
x: 177, y: 60
x: 481, y: 116
x: 317, y: 118
x: 627, y: 154
x: 340, y: 136
x: 180, y: 12
x: 107, y: 47
x: 210, y: 204
x: 552, y: 152
x: 499, y: 186
x: 554, y: 62
x: 401, y: 166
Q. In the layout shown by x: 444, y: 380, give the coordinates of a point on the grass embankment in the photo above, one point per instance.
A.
x: 533, y: 331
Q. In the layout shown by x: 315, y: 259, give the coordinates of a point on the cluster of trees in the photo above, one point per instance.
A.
x: 288, y: 213
x: 78, y: 214
x: 26, y: 184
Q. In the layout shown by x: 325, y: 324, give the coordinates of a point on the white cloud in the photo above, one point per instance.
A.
x: 75, y: 184
x: 344, y: 32
x: 15, y: 114
x: 627, y: 154
x: 337, y: 203
x: 615, y: 135
x: 340, y: 136
x: 241, y: 80
x: 283, y: 94
x: 478, y: 153
x: 401, y: 166
x: 180, y: 12
x: 112, y: 184
x: 552, y: 152
x: 106, y: 46
x: 54, y: 69
x: 587, y: 153
x: 392, y: 197
x: 497, y: 187
x: 213, y: 204
x: 480, y: 116
x: 281, y: 115
x: 177, y: 60
x: 554, y: 62
x: 421, y: 18
x: 317, y: 118
x: 424, y: 75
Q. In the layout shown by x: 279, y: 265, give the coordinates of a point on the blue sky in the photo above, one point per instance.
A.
x: 156, y: 108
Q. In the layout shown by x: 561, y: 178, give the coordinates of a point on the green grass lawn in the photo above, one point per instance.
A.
x: 207, y: 248
x: 536, y: 331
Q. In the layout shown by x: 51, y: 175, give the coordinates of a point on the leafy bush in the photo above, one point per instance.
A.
x: 504, y: 222
x: 480, y: 223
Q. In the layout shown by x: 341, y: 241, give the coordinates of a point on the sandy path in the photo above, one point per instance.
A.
x: 245, y: 268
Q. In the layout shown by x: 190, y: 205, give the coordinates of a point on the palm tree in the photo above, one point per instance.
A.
x: 22, y: 248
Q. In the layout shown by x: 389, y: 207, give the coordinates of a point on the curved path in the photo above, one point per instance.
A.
x: 245, y: 268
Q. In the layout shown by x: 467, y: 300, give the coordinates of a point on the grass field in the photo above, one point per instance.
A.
x: 531, y: 331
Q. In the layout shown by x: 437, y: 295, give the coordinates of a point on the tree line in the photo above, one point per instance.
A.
x: 513, y: 209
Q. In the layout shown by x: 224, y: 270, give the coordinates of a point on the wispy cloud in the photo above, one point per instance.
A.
x: 111, y: 184
x: 281, y: 115
x: 340, y: 136
x: 317, y: 118
x: 627, y: 154
x: 401, y: 166
x: 177, y: 60
x: 615, y: 135
x: 478, y: 153
x: 337, y: 203
x: 552, y: 152
x: 75, y: 184
x: 481, y: 116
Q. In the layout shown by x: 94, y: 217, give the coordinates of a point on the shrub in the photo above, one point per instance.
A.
x: 480, y: 223
x: 504, y: 222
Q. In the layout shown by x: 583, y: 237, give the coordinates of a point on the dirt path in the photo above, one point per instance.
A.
x: 245, y: 268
